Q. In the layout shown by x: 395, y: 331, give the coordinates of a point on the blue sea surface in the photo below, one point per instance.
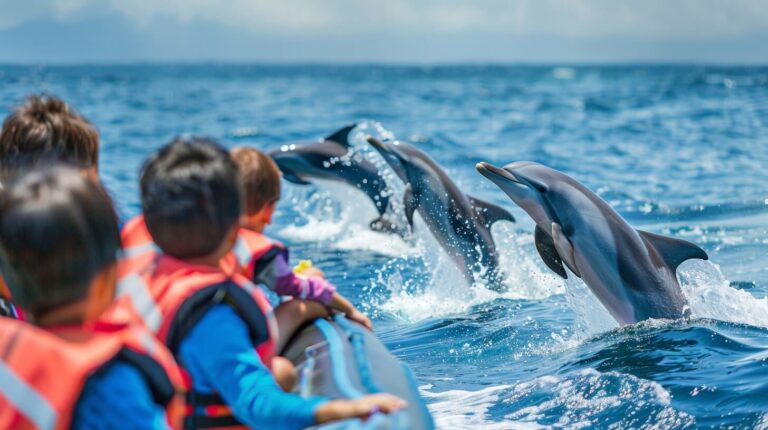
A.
x: 681, y: 151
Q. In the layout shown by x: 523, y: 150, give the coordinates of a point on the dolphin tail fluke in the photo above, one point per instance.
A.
x: 672, y: 251
x: 384, y: 224
x: 489, y: 212
x: 341, y: 136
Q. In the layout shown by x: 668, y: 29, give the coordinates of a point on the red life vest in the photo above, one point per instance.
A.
x: 255, y: 254
x: 139, y: 250
x: 252, y: 255
x: 171, y: 296
x: 42, y: 375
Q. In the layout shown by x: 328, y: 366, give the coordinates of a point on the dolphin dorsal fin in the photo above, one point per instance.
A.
x: 489, y: 212
x: 341, y: 136
x: 546, y: 248
x: 672, y: 251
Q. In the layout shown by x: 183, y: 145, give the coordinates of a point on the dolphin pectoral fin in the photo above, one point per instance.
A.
x: 294, y: 178
x: 546, y: 248
x: 672, y: 251
x: 564, y: 248
x: 341, y: 135
x: 411, y: 203
x: 489, y: 212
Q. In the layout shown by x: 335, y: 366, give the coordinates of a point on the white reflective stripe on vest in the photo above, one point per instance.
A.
x: 26, y: 399
x: 242, y: 252
x: 250, y: 287
x: 133, y: 286
x: 137, y: 250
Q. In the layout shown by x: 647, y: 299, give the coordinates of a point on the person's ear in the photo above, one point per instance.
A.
x: 101, y: 293
x: 91, y: 173
x: 267, y: 212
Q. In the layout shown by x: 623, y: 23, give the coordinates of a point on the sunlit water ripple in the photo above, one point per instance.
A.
x: 677, y: 150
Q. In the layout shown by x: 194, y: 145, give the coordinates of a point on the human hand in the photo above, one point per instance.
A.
x: 361, y: 318
x: 361, y: 408
x: 313, y: 272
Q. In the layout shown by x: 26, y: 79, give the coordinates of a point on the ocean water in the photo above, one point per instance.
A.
x: 680, y: 150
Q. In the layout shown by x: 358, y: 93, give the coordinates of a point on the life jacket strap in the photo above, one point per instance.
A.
x: 207, y: 411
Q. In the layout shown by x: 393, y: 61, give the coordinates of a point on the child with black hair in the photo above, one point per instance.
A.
x: 67, y: 368
x: 217, y: 323
x: 44, y: 130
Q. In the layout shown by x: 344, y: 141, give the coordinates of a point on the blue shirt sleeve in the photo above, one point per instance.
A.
x: 219, y: 356
x: 118, y: 397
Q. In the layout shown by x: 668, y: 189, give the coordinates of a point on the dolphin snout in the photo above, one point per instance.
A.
x: 492, y: 172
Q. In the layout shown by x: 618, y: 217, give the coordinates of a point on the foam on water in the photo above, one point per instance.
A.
x: 589, y: 399
x: 467, y: 410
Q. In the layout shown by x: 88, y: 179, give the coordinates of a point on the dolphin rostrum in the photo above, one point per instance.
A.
x: 460, y: 223
x: 330, y: 158
x: 632, y: 272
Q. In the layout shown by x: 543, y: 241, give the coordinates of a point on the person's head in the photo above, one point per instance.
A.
x: 190, y: 195
x: 260, y: 178
x: 60, y: 241
x: 47, y: 130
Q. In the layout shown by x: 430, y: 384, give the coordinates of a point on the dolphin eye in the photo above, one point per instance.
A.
x: 542, y: 189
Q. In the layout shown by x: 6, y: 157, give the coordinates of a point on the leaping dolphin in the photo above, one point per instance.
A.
x: 460, y: 223
x: 632, y: 272
x: 330, y: 159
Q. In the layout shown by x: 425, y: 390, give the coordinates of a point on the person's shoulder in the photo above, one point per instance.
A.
x: 116, y: 396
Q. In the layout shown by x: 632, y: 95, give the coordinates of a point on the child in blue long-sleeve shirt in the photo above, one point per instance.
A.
x: 67, y: 369
x: 218, y: 324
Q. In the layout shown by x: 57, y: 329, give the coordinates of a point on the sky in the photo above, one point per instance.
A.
x: 387, y: 31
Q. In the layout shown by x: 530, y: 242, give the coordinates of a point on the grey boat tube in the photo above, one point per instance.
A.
x: 339, y: 358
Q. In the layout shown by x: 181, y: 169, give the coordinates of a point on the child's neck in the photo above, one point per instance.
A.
x: 256, y: 226
x: 208, y: 260
x: 71, y: 314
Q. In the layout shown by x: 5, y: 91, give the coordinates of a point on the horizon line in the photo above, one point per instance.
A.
x: 375, y: 63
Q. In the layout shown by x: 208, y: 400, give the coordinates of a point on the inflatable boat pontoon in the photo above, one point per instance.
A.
x: 339, y: 358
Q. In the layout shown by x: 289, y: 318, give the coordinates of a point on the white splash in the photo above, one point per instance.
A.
x: 711, y: 296
x: 446, y: 292
x: 338, y: 215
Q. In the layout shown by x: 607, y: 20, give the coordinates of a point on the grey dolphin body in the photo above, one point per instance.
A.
x: 329, y: 159
x: 632, y: 272
x: 460, y: 223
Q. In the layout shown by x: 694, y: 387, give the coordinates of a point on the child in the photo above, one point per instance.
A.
x: 266, y: 261
x: 260, y: 259
x: 44, y: 130
x: 211, y: 319
x: 69, y: 370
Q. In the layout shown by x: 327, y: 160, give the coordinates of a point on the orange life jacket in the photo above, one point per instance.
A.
x: 42, y: 375
x: 171, y: 296
x: 139, y: 250
x: 252, y: 255
x: 255, y: 255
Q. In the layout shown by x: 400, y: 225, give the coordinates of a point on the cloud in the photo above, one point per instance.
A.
x: 573, y: 18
